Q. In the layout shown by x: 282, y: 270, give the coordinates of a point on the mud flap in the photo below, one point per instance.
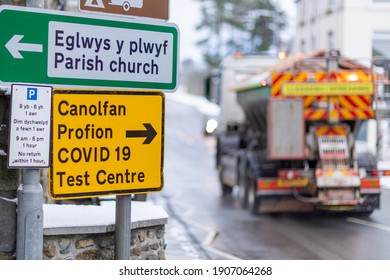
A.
x: 283, y: 204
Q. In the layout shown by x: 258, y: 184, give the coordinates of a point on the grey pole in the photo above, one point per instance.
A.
x: 29, y: 231
x: 122, y: 227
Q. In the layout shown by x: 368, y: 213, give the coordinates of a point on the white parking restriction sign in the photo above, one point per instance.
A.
x: 30, y: 124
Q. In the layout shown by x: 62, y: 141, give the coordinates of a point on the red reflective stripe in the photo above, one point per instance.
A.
x: 378, y: 173
x: 267, y: 184
x: 264, y: 186
x: 370, y: 183
x: 290, y: 174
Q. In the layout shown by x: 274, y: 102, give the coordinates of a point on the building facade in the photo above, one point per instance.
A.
x: 358, y: 28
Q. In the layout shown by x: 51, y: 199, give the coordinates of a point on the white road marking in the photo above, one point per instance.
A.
x: 211, y: 235
x: 368, y: 224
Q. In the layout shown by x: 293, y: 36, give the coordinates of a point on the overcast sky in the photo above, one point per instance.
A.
x: 186, y: 14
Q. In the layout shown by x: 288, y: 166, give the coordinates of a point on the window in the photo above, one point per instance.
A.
x: 303, y: 46
x: 331, y: 41
x: 331, y: 6
x: 302, y: 12
x: 313, y: 42
x: 362, y: 135
x: 381, y: 43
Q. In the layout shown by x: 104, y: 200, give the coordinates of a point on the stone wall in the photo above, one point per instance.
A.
x: 9, y: 182
x: 72, y: 233
x: 146, y: 244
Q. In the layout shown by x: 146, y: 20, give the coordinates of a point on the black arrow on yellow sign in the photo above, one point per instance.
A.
x: 149, y: 133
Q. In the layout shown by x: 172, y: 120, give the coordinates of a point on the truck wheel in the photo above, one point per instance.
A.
x: 243, y: 196
x: 226, y: 189
x: 243, y: 185
x: 253, y: 199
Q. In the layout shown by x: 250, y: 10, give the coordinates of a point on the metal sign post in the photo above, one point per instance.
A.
x: 123, y: 227
x: 29, y: 234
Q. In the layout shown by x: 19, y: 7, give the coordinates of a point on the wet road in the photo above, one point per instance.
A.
x: 205, y: 225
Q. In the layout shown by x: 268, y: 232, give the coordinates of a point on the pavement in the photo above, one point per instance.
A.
x: 182, y: 242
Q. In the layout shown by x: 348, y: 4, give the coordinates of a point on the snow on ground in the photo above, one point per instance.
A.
x: 198, y: 102
x: 66, y: 215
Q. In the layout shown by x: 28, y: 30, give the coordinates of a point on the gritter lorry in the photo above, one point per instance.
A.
x: 294, y: 150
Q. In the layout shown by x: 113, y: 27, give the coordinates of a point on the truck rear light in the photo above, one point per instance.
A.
x: 370, y: 183
x: 290, y: 174
x: 353, y: 77
x: 378, y: 173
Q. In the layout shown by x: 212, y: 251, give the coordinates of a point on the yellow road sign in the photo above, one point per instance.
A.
x: 106, y: 143
x: 325, y: 88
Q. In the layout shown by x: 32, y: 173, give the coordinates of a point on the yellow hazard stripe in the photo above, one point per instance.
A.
x: 315, y: 115
x: 331, y: 130
x: 355, y: 114
x: 277, y: 81
x: 340, y: 130
x: 308, y: 101
x: 360, y: 101
x: 320, y: 76
x: 323, y: 130
x: 301, y: 77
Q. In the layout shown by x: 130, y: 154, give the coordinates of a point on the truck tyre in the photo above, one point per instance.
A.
x: 244, y: 181
x: 225, y: 189
x: 253, y: 199
x: 243, y: 194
